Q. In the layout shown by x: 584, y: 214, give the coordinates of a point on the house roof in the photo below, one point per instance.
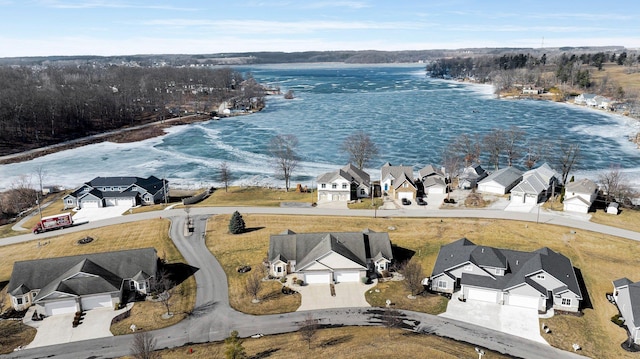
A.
x: 629, y: 296
x: 545, y: 172
x: 349, y: 173
x: 577, y: 199
x: 519, y: 266
x: 621, y: 282
x: 504, y: 177
x: 584, y: 185
x: 395, y: 171
x: 473, y: 171
x: 402, y: 179
x: 433, y: 181
x: 73, y: 274
x: 305, y: 248
x: 430, y: 170
x: 533, y: 184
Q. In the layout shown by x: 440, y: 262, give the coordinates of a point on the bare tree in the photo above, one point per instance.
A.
x: 536, y: 151
x: 253, y: 284
x: 361, y: 149
x: 143, y: 346
x: 308, y: 328
x: 512, y: 144
x: 568, y: 156
x: 283, y: 150
x: 40, y: 175
x: 466, y: 148
x: 494, y: 143
x: 390, y: 318
x: 413, y: 276
x: 615, y: 186
x: 225, y: 175
x: 165, y: 287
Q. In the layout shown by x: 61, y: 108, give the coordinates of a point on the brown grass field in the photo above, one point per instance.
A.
x: 625, y: 76
x: 601, y: 259
x: 14, y: 334
x: 255, y: 196
x: 351, y: 342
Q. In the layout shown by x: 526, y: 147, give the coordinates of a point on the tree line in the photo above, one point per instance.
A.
x: 51, y: 104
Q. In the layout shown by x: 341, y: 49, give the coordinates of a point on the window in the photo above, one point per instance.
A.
x: 442, y: 284
x: 362, y: 192
x: 142, y: 285
x: 324, y: 185
x: 405, y: 185
x: 19, y: 300
x: 278, y: 269
x: 344, y: 186
x: 498, y: 271
x: 566, y: 302
x: 540, y: 276
x: 132, y: 285
x: 468, y: 267
x: 334, y: 186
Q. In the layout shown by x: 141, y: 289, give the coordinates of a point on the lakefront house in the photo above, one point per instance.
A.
x: 117, y: 191
x: 346, y: 184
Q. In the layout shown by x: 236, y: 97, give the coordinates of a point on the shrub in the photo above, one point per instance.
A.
x: 236, y: 224
x: 300, y: 282
x: 283, y: 280
x: 616, y: 319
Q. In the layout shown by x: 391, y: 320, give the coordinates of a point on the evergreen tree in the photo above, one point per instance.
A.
x: 236, y: 224
x: 234, y: 348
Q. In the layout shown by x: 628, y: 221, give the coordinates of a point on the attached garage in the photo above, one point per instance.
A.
x: 90, y: 203
x: 524, y: 301
x: 96, y: 301
x: 347, y: 276
x: 482, y: 295
x: 60, y: 307
x: 407, y: 195
x: 317, y: 278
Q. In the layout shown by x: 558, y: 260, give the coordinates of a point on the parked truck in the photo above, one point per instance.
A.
x: 63, y: 220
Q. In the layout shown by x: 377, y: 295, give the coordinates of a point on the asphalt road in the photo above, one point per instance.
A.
x: 212, y: 318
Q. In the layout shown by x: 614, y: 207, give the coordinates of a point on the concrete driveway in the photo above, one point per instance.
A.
x: 96, y: 214
x: 518, y: 321
x: 58, y: 329
x: 318, y: 296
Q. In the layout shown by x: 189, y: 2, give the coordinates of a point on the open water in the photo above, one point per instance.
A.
x: 411, y: 118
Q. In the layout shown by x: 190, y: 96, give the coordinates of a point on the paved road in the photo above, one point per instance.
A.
x: 213, y: 319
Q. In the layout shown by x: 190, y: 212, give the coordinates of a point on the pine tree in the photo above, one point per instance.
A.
x: 236, y: 224
x: 234, y: 348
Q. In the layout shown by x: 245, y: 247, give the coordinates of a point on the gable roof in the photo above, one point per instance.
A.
x: 305, y: 248
x: 66, y: 273
x: 430, y: 170
x: 349, y: 173
x: 504, y: 177
x: 585, y: 186
x: 433, y: 181
x: 473, y: 171
x: 545, y: 172
x: 395, y: 172
x: 533, y: 184
x: 519, y: 266
x: 402, y: 179
x: 629, y: 293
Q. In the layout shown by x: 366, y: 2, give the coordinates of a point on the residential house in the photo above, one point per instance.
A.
x: 500, y: 181
x: 81, y: 282
x: 432, y: 180
x: 541, y: 279
x: 580, y: 195
x: 319, y: 258
x: 536, y: 185
x: 582, y: 99
x: 626, y: 295
x: 471, y: 175
x: 347, y: 183
x: 397, y: 181
x: 532, y: 90
x: 117, y: 191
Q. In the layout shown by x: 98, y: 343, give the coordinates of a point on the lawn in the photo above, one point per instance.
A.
x: 349, y: 342
x: 150, y: 233
x: 627, y: 219
x: 13, y: 334
x: 601, y: 259
x: 365, y: 203
x: 256, y: 196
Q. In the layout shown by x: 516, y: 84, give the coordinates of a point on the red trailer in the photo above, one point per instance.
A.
x: 63, y: 220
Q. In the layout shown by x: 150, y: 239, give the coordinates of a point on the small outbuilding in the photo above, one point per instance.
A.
x: 613, y: 208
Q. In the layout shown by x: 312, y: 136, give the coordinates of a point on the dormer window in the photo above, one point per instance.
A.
x: 405, y: 185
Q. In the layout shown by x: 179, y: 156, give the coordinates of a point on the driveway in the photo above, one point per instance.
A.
x: 96, y: 214
x: 57, y: 329
x: 518, y: 321
x: 318, y: 296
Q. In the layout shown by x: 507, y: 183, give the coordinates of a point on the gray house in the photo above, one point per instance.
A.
x: 626, y: 295
x: 537, y: 184
x: 117, y: 191
x: 82, y: 282
x: 323, y: 258
x: 541, y: 279
x: 500, y: 181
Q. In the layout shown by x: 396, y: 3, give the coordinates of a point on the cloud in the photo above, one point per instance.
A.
x: 95, y: 4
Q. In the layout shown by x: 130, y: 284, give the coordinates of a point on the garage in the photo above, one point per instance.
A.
x: 347, y: 276
x: 317, y: 278
x: 60, y: 307
x: 96, y: 301
x: 524, y: 301
x: 407, y: 195
x: 482, y: 295
x: 90, y: 204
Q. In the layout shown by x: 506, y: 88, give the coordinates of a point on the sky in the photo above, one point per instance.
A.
x: 128, y: 27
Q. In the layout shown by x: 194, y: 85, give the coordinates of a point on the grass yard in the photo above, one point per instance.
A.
x: 348, y: 342
x: 627, y: 219
x: 397, y: 294
x: 365, y: 203
x: 601, y: 259
x: 13, y: 334
x: 255, y: 196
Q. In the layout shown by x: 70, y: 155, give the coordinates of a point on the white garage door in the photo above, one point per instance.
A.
x: 347, y: 276
x: 407, y: 195
x: 96, y: 301
x: 60, y: 307
x: 482, y: 295
x: 317, y: 278
x: 524, y: 301
x: 90, y: 204
x: 335, y: 197
x: 111, y: 201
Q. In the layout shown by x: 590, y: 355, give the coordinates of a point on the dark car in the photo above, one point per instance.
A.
x: 421, y: 202
x: 406, y: 202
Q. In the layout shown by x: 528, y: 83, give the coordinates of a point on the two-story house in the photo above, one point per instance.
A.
x: 346, y: 184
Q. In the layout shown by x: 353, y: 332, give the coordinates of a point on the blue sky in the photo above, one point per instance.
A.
x: 121, y: 27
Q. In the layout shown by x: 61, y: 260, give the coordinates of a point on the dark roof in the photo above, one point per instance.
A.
x: 519, y: 265
x: 305, y: 248
x: 621, y: 282
x: 396, y: 172
x: 505, y: 176
x: 349, y: 172
x: 73, y: 274
x: 112, y: 181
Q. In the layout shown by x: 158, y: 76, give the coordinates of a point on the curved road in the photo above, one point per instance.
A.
x: 213, y: 318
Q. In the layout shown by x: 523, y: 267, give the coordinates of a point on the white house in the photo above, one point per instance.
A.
x: 117, y: 191
x: 433, y: 180
x: 541, y: 279
x: 347, y: 183
x: 536, y: 184
x: 580, y: 195
x: 500, y: 181
x: 471, y: 175
x: 626, y: 295
x: 582, y: 99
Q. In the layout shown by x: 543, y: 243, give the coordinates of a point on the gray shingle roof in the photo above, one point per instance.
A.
x: 531, y: 184
x: 430, y: 170
x: 349, y: 172
x: 583, y: 186
x: 395, y: 171
x: 505, y: 176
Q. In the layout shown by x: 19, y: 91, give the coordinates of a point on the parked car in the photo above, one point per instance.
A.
x: 406, y: 201
x: 421, y: 202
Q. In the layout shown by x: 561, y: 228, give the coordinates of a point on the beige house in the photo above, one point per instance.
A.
x: 397, y: 181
